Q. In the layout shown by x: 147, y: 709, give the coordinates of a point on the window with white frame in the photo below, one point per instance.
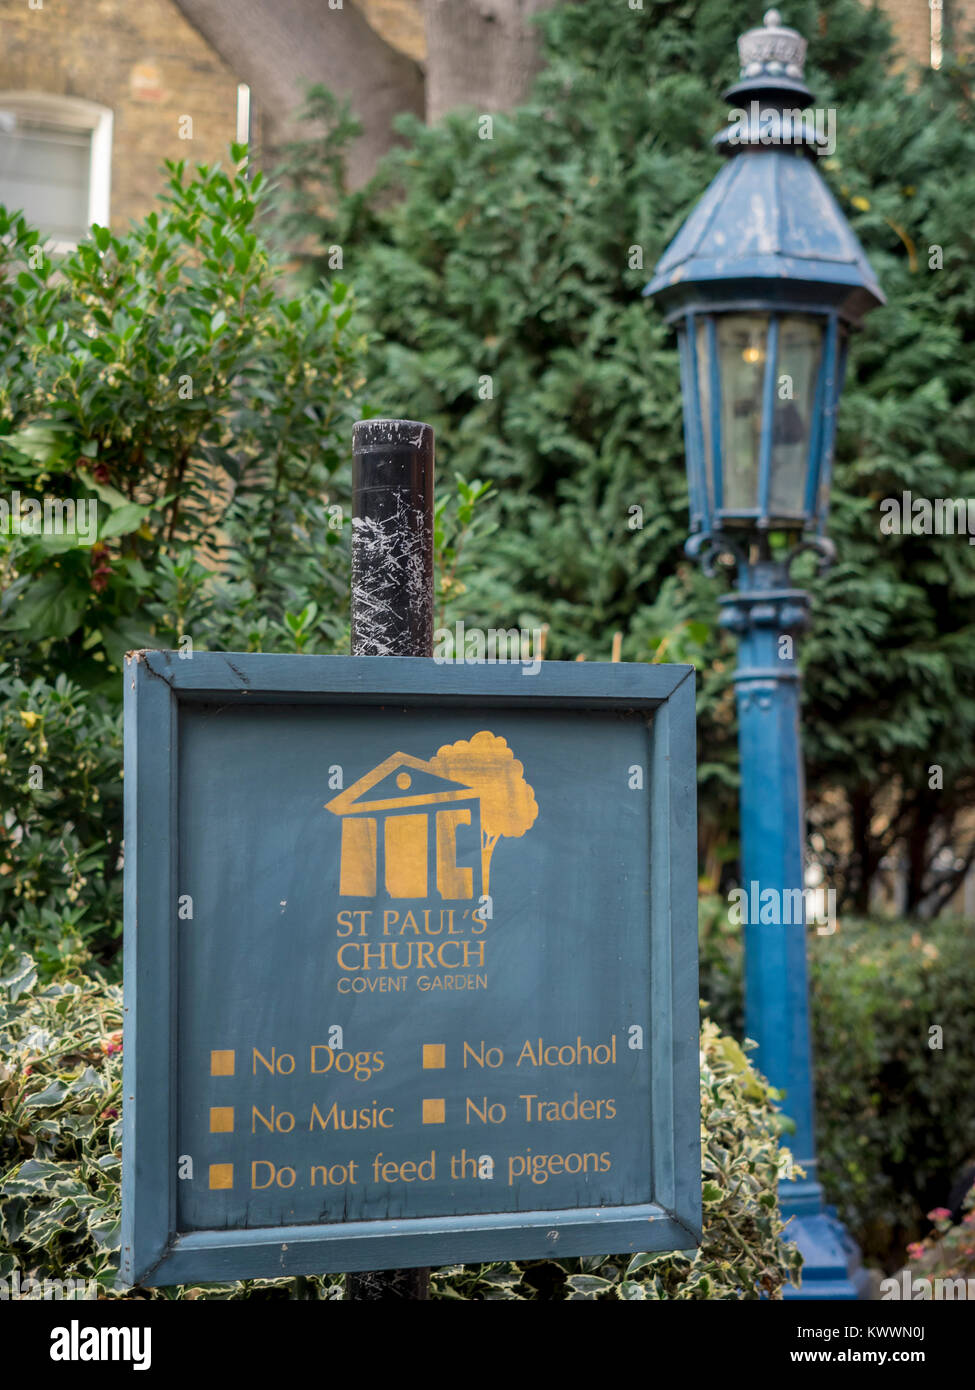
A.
x: 55, y: 163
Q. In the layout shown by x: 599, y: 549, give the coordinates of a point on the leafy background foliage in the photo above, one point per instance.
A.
x: 163, y: 374
x: 60, y: 842
x: 949, y: 1251
x: 895, y: 1119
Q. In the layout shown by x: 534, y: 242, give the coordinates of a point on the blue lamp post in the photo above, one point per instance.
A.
x: 764, y: 282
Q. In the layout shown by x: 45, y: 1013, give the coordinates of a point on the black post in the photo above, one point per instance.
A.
x: 392, y: 615
x: 392, y: 538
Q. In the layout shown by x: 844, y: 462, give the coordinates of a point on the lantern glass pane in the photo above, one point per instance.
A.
x: 695, y: 466
x: 704, y: 400
x: 742, y: 344
x: 797, y: 371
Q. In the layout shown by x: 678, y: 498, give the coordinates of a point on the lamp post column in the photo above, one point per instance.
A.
x: 766, y: 614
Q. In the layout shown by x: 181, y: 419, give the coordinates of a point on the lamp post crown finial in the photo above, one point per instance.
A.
x: 773, y: 50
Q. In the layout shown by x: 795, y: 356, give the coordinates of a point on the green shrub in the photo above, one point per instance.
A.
x: 164, y: 376
x: 60, y: 1141
x: 60, y: 1081
x: 949, y: 1251
x: 895, y: 1113
x: 61, y: 825
x: 60, y: 1106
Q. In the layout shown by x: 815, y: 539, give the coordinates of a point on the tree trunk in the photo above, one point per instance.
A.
x: 917, y: 854
x: 280, y: 47
x: 480, y: 53
x: 862, y: 857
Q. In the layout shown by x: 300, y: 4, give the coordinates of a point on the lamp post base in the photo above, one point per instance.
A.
x: 832, y: 1268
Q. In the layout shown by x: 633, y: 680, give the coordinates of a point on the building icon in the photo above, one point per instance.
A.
x: 399, y: 832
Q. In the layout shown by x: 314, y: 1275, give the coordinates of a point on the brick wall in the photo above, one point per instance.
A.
x: 138, y: 57
x: 911, y: 22
x: 400, y: 22
x: 142, y: 59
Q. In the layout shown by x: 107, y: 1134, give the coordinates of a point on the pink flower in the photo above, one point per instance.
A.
x: 939, y: 1214
x: 916, y: 1250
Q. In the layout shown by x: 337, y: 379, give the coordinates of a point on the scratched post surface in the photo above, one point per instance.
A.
x: 392, y: 538
x: 414, y: 969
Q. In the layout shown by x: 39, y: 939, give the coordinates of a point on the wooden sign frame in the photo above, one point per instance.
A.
x: 159, y: 686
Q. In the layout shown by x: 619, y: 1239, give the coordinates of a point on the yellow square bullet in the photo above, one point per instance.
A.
x: 434, y: 1055
x: 221, y: 1175
x: 433, y: 1112
x: 222, y: 1063
x: 221, y: 1119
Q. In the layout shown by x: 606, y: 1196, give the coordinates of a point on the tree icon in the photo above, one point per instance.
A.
x: 508, y: 805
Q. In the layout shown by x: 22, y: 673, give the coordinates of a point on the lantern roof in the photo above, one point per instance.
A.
x: 768, y: 231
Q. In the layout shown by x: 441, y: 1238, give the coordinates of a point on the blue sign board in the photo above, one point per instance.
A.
x: 410, y: 964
